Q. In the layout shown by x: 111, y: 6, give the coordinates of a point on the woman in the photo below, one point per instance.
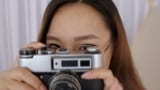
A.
x: 75, y: 23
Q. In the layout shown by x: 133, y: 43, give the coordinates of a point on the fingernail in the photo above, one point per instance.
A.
x: 42, y: 87
x: 87, y: 74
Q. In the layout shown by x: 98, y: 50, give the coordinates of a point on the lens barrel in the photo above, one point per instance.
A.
x: 65, y: 80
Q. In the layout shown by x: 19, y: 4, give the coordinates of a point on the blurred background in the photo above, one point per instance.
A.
x: 20, y: 21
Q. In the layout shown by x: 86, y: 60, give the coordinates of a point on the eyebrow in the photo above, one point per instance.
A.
x: 80, y: 38
x: 52, y: 38
x: 86, y: 37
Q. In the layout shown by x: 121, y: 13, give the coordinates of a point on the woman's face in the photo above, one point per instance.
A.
x: 76, y: 25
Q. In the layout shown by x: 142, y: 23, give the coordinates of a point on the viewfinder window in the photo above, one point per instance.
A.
x: 85, y: 63
x: 68, y: 63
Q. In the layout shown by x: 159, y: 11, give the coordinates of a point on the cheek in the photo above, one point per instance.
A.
x: 107, y: 59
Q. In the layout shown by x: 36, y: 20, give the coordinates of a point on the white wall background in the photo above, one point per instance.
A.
x: 146, y: 50
x: 19, y: 24
x: 20, y: 21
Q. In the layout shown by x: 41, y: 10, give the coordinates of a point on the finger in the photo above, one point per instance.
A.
x: 24, y: 75
x: 104, y: 74
x: 116, y: 85
x: 35, y: 45
x: 3, y: 85
x: 16, y: 85
x: 98, y: 74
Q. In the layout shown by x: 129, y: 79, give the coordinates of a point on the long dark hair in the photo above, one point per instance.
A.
x: 121, y: 62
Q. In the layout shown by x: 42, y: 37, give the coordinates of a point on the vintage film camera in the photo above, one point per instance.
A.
x: 60, y: 69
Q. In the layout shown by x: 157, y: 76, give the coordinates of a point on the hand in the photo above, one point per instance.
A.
x: 21, y: 78
x: 110, y: 82
x: 35, y: 45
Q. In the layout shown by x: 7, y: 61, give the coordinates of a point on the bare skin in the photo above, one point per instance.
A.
x: 73, y: 26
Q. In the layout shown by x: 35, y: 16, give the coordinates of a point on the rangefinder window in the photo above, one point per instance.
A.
x: 85, y: 63
x: 68, y: 63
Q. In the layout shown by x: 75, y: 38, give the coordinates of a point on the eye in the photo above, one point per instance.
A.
x: 53, y: 46
x: 84, y: 46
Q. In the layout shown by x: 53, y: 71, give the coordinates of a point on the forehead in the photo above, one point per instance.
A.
x: 77, y: 18
x: 80, y: 9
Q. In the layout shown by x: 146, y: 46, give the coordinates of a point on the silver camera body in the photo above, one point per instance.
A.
x: 67, y: 67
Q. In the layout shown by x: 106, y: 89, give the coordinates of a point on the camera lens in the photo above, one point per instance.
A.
x: 63, y: 86
x: 65, y: 81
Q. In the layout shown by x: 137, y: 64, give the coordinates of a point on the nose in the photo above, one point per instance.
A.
x: 71, y: 50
